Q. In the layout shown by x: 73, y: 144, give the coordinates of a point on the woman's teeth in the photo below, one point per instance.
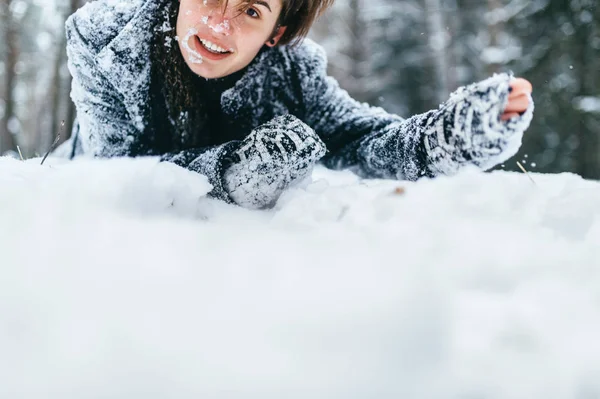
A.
x: 213, y: 47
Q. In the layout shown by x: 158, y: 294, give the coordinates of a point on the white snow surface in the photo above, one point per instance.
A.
x: 119, y: 279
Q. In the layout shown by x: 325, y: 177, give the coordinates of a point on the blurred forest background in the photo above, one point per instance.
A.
x: 403, y: 55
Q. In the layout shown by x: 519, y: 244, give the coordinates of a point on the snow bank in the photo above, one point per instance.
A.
x: 120, y: 280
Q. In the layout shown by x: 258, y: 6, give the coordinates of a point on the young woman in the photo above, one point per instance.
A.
x: 232, y: 90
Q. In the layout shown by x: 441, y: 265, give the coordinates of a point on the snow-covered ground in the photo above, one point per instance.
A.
x: 118, y: 279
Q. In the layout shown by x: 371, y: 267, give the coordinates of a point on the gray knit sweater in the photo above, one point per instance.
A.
x: 295, y: 114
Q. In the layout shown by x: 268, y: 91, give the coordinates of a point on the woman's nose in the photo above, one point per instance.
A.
x: 220, y: 23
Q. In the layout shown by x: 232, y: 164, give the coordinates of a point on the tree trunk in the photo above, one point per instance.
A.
x: 7, y: 141
x: 588, y: 152
x: 55, y: 94
x: 494, y: 31
x: 438, y: 46
x: 358, y: 50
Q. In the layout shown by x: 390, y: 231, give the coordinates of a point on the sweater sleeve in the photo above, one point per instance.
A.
x: 465, y: 130
x: 105, y: 127
x: 255, y: 171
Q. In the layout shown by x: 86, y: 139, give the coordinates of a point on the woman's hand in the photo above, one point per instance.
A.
x: 518, y: 99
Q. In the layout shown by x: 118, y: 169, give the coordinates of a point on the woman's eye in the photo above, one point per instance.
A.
x: 252, y: 13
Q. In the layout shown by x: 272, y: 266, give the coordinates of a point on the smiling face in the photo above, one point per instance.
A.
x: 215, y: 44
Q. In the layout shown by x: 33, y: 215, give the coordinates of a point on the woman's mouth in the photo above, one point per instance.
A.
x: 211, y: 50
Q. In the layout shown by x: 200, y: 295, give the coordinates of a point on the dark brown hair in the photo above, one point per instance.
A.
x: 178, y: 105
x: 297, y: 15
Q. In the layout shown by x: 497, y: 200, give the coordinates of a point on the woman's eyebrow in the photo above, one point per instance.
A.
x: 263, y: 3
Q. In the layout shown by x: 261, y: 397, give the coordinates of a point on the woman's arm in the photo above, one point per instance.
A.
x: 465, y: 130
x: 255, y: 171
x: 105, y: 128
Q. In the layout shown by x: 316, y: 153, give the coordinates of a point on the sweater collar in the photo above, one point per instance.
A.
x: 247, y: 88
x: 220, y: 85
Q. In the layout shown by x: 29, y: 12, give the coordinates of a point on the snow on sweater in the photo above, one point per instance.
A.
x: 109, y: 57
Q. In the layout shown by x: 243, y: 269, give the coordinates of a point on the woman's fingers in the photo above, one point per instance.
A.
x: 507, y: 115
x: 519, y: 86
x: 518, y: 98
x: 517, y: 104
x: 515, y: 107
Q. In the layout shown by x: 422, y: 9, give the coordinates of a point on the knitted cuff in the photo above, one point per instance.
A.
x: 467, y: 129
x: 271, y: 159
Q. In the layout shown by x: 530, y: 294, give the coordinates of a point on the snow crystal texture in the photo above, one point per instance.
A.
x: 121, y: 279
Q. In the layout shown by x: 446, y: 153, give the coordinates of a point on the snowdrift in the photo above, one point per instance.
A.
x: 119, y: 279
